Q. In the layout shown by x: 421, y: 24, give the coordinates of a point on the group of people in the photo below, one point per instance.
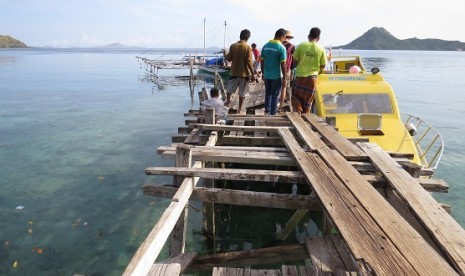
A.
x: 278, y: 59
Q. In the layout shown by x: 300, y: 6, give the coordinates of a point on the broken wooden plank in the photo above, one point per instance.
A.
x: 262, y: 256
x: 238, y: 197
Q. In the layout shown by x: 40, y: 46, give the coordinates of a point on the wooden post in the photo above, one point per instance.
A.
x: 210, y: 116
x: 221, y: 86
x: 178, y: 235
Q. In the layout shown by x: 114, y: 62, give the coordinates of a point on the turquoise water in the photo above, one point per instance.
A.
x: 78, y: 128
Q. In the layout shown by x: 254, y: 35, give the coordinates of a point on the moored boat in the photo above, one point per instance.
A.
x: 363, y: 106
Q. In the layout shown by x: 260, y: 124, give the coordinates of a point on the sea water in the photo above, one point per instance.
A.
x: 79, y: 126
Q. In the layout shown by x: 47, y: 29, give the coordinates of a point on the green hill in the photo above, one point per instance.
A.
x: 379, y: 39
x: 7, y: 41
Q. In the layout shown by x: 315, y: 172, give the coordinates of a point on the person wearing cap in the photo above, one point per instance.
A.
x: 273, y: 63
x: 241, y: 58
x: 310, y: 60
x: 286, y: 90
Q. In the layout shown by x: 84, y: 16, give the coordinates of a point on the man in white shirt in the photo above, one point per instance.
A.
x: 214, y: 102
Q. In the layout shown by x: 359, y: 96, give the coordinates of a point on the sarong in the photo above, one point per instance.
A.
x: 303, y: 92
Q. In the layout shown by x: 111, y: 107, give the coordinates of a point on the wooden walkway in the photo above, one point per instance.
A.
x: 386, y: 219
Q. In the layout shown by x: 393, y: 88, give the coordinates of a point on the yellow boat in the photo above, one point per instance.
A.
x: 363, y: 106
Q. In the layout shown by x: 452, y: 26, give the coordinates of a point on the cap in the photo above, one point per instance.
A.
x: 289, y: 34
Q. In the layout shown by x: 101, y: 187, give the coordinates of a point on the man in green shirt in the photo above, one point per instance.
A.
x: 310, y: 60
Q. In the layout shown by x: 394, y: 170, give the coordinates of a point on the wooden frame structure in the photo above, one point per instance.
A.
x: 386, y: 219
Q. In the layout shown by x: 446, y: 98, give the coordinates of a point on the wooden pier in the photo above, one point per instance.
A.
x: 379, y: 215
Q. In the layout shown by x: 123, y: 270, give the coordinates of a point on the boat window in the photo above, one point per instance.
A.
x: 357, y: 103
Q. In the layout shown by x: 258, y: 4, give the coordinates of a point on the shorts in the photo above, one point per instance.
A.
x: 237, y: 82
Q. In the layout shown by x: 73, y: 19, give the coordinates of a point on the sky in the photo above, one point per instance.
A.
x: 180, y: 23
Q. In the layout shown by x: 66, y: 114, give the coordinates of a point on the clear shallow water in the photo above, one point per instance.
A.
x: 78, y: 129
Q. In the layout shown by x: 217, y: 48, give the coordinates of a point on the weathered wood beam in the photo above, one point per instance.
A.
x: 347, y: 149
x: 178, y: 234
x: 249, y: 141
x: 271, y: 255
x: 241, y: 128
x: 230, y: 174
x: 181, y: 260
x: 325, y: 258
x: 337, y: 184
x: 238, y: 197
x: 444, y: 230
x: 280, y: 158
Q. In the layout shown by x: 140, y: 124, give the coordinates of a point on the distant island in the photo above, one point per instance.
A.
x: 7, y: 41
x: 113, y: 45
x: 379, y: 39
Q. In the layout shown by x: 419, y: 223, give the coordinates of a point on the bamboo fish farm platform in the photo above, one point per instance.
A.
x: 378, y: 213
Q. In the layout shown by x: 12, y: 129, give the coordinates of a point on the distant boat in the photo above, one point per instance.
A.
x: 215, y: 64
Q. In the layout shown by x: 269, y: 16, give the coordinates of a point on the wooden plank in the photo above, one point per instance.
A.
x: 260, y: 123
x: 230, y: 174
x: 184, y: 130
x: 377, y: 236
x: 237, y: 124
x: 265, y: 272
x: 249, y: 117
x: 262, y: 256
x: 238, y: 197
x: 178, y: 234
x: 147, y: 253
x: 324, y: 256
x: 289, y: 270
x: 257, y: 157
x: 165, y: 270
x: 193, y: 137
x: 306, y: 270
x: 305, y: 132
x: 244, y: 157
x: 249, y: 141
x: 354, y: 182
x: 183, y: 260
x: 343, y: 252
x: 336, y: 140
x: 444, y: 230
x: 228, y: 271
x: 195, y: 148
x: 210, y: 116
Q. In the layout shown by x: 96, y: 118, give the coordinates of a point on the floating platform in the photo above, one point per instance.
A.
x: 378, y: 212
